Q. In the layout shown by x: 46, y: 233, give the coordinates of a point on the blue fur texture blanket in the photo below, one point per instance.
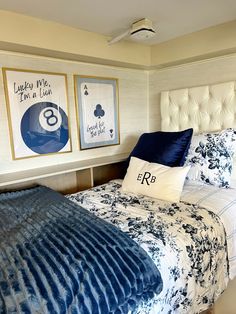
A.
x: 56, y: 257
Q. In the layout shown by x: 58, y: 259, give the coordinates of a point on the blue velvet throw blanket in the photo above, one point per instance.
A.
x: 56, y: 257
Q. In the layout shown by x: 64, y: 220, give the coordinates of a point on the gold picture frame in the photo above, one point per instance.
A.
x: 38, y: 112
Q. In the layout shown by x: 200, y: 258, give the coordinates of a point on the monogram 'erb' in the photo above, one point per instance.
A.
x: 147, y: 176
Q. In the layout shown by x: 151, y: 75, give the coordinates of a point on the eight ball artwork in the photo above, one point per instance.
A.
x: 44, y: 128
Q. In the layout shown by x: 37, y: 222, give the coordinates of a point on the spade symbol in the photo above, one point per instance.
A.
x: 99, y: 112
x: 111, y: 133
x: 86, y: 91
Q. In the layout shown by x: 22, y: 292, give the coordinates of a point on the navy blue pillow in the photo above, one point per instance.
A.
x: 167, y: 148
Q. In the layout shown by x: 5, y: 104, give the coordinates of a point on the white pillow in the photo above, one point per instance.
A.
x: 155, y: 180
x: 211, y: 157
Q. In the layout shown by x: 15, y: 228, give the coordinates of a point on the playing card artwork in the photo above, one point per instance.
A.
x: 37, y: 112
x: 97, y: 111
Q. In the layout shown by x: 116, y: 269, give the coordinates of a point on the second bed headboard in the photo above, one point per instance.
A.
x: 203, y: 108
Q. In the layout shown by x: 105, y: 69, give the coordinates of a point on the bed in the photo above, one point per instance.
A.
x: 194, y: 287
x: 191, y: 283
x: 106, y: 250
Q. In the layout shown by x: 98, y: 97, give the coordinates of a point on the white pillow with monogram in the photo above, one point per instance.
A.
x: 155, y: 180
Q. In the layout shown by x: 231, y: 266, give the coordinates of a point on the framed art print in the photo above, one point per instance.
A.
x: 37, y: 112
x: 97, y: 111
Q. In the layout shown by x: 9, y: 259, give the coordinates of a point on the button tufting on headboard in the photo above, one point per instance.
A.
x: 204, y: 108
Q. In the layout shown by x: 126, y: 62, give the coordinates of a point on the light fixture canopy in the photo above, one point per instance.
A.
x: 140, y: 30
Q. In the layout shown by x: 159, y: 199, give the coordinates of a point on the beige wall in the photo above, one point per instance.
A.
x: 210, y: 42
x: 21, y: 33
x: 27, y: 34
x: 133, y: 106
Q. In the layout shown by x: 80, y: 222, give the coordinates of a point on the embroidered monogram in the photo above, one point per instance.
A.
x: 147, y: 176
x: 154, y: 179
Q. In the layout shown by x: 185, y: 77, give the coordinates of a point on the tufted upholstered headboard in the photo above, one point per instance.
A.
x: 203, y: 108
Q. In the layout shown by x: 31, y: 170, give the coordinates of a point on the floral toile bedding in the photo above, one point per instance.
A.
x: 186, y: 242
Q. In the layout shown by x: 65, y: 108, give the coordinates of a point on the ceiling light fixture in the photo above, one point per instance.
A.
x: 140, y: 30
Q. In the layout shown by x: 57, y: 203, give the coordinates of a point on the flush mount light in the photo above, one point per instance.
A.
x: 140, y: 30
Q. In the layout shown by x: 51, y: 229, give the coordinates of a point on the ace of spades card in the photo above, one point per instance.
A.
x: 97, y: 109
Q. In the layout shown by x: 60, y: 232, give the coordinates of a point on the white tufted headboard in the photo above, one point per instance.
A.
x: 204, y: 108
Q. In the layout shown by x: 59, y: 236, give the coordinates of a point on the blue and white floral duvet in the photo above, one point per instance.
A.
x: 185, y: 241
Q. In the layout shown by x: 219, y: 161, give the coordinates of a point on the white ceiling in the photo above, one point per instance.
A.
x: 172, y: 18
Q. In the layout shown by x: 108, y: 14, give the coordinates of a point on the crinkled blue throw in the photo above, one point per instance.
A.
x: 56, y: 257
